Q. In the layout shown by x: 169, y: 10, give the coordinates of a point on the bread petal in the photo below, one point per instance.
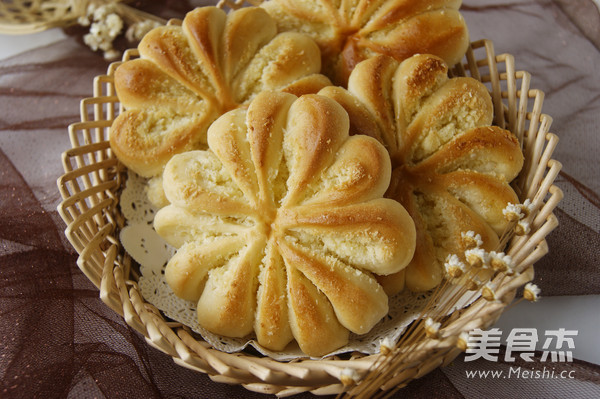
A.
x: 488, y: 150
x: 228, y: 302
x: 316, y: 129
x: 188, y: 269
x: 361, y: 172
x: 312, y: 318
x: 272, y: 324
x: 440, y: 218
x: 484, y: 194
x: 197, y: 180
x: 377, y: 235
x: 145, y: 140
x: 179, y: 225
x: 358, y: 301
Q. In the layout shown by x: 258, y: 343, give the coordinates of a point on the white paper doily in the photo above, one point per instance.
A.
x: 147, y: 248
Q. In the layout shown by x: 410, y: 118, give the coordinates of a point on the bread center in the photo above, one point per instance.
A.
x: 267, y: 222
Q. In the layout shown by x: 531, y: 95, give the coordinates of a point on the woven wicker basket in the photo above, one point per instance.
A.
x: 18, y: 17
x: 93, y: 179
x: 23, y: 17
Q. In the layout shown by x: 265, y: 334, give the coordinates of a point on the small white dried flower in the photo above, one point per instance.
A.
x: 526, y: 207
x: 432, y: 328
x: 97, y: 29
x: 454, y: 266
x: 513, y: 212
x: 84, y: 20
x: 501, y: 262
x: 531, y: 292
x: 489, y: 291
x: 386, y: 345
x: 100, y: 12
x: 138, y: 30
x: 104, y: 26
x: 476, y: 257
x: 111, y: 54
x: 522, y: 228
x: 106, y: 46
x: 114, y: 23
x: 92, y: 41
x: 349, y: 376
x: 473, y: 283
x: 470, y: 239
x: 462, y: 341
x: 90, y: 10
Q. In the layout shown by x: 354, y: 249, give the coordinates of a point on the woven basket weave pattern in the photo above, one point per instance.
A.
x: 93, y: 179
x: 23, y: 17
x: 30, y: 16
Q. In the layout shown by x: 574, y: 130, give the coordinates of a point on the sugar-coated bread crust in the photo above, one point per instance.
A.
x: 351, y: 31
x: 189, y: 75
x: 451, y: 168
x: 281, y: 225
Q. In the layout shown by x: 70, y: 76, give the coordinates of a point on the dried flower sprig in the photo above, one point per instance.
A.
x: 531, y: 292
x: 138, y: 30
x: 516, y: 212
x: 476, y: 268
x: 105, y: 25
x: 527, y: 207
x: 466, y: 278
x: 471, y: 240
x: 473, y: 283
x: 519, y: 219
x: 454, y: 266
x: 477, y: 257
x: 488, y: 291
x: 107, y: 20
x: 522, y: 228
x: 349, y: 376
x: 512, y: 212
x: 462, y: 342
x: 386, y: 345
x: 500, y: 262
x: 432, y: 328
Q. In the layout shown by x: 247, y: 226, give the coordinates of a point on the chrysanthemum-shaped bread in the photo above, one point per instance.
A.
x: 351, y: 31
x: 281, y: 225
x: 189, y: 75
x: 451, y: 168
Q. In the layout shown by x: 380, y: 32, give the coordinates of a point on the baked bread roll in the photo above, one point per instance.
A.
x: 451, y: 168
x: 351, y: 31
x: 280, y: 225
x: 189, y: 75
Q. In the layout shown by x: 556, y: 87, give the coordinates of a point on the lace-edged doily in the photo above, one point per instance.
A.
x: 147, y: 248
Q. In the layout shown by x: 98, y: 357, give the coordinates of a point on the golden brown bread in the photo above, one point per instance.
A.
x: 351, y: 31
x: 281, y: 225
x: 189, y: 75
x: 451, y: 168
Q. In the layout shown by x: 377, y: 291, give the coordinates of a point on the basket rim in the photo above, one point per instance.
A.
x: 89, y: 188
x: 21, y: 17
